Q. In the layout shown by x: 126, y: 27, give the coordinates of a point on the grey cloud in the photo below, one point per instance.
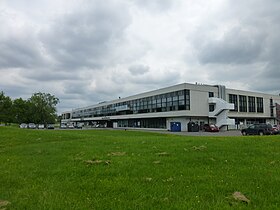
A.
x: 48, y: 75
x: 19, y: 45
x: 81, y: 95
x: 89, y: 36
x: 167, y: 77
x: 269, y: 85
x: 155, y: 5
x: 15, y: 91
x: 82, y: 89
x: 265, y: 18
x: 138, y: 69
x: 19, y: 53
x: 247, y: 75
x: 272, y: 57
x: 79, y: 87
x: 236, y: 47
x: 248, y: 53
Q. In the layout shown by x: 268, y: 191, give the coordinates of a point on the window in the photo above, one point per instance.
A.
x: 242, y: 103
x: 259, y: 105
x: 187, y: 98
x: 169, y: 102
x: 211, y: 107
x: 271, y: 108
x: 211, y: 94
x: 182, y: 105
x: 159, y: 103
x: 172, y: 101
x: 233, y: 99
x: 252, y: 104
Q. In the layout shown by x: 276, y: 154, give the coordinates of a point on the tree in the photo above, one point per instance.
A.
x: 20, y: 111
x: 43, y: 107
x: 5, y: 108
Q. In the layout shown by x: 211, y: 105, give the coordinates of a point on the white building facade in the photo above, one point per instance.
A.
x: 175, y: 108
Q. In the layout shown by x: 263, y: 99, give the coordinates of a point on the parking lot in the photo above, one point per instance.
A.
x: 203, y: 133
x: 185, y: 133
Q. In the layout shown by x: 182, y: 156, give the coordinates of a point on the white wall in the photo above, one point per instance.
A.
x: 184, y: 121
x: 266, y: 103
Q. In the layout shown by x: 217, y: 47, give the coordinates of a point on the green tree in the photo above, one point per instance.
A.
x: 5, y: 108
x: 42, y: 108
x: 20, y: 111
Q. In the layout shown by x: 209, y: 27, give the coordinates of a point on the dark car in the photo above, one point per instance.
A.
x: 50, y: 126
x: 258, y: 129
x: 276, y: 129
x: 211, y: 128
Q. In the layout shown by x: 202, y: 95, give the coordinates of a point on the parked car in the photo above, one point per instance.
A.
x: 79, y: 125
x: 31, y: 126
x: 23, y: 125
x: 50, y: 126
x: 63, y: 126
x: 258, y: 129
x: 41, y: 126
x: 211, y: 128
x: 70, y: 126
x: 276, y: 129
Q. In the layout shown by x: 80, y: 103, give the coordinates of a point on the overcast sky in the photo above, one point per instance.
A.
x: 87, y: 51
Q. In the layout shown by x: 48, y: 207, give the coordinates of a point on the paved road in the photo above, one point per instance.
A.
x: 183, y: 133
x: 202, y: 133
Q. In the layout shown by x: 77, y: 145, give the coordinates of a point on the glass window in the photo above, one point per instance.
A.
x: 182, y: 105
x: 242, y: 103
x: 271, y: 108
x: 172, y: 101
x: 211, y: 107
x: 181, y: 97
x: 259, y: 105
x: 252, y: 104
x: 159, y: 105
x: 233, y: 100
x: 175, y: 98
x: 187, y: 99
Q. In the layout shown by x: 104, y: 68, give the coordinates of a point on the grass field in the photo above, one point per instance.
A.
x: 112, y: 169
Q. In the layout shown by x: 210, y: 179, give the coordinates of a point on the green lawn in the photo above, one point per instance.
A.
x: 112, y: 169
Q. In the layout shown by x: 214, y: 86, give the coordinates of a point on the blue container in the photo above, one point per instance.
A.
x: 175, y: 127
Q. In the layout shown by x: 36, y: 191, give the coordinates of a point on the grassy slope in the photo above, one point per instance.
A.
x: 46, y: 169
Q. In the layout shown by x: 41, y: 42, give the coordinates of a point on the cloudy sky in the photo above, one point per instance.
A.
x: 87, y: 51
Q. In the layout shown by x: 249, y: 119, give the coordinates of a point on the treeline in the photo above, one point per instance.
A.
x: 39, y: 108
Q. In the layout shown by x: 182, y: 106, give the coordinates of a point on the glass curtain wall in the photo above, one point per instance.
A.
x: 172, y: 101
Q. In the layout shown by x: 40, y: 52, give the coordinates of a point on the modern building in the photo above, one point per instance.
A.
x: 178, y: 107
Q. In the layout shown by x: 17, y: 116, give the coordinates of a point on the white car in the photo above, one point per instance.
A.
x: 63, y: 126
x: 31, y: 126
x: 71, y: 126
x: 41, y: 126
x: 23, y: 125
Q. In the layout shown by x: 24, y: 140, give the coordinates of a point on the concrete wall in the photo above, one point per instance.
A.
x: 199, y: 103
x: 185, y: 120
x: 266, y: 103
